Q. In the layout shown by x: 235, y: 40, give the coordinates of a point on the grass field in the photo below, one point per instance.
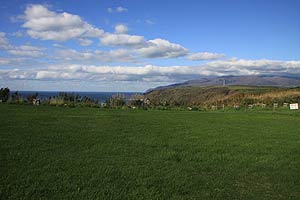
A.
x: 88, y: 153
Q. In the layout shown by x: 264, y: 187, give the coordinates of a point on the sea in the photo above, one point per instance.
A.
x: 99, y: 96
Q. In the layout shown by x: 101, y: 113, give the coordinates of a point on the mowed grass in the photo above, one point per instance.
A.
x: 89, y: 153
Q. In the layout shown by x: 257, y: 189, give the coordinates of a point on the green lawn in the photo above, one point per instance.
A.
x: 89, y: 153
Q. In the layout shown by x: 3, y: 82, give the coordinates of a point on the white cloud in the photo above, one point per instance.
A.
x: 118, y: 9
x: 48, y: 25
x: 59, y: 75
x: 17, y: 61
x: 15, y: 74
x: 5, y: 61
x: 252, y: 67
x: 26, y: 50
x: 157, y: 48
x: 162, y: 48
x: 121, y: 9
x: 155, y: 73
x: 15, y: 19
x: 84, y: 41
x: 204, y: 56
x: 121, y: 29
x: 3, y: 40
x: 110, y: 10
x: 18, y: 34
x: 24, y: 62
x: 119, y: 55
x: 57, y: 45
x: 123, y: 40
x: 23, y: 50
x: 150, y: 22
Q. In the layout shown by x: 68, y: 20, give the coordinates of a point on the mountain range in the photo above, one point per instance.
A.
x: 252, y: 80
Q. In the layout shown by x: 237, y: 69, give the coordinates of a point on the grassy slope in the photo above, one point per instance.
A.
x: 82, y: 153
x: 229, y: 95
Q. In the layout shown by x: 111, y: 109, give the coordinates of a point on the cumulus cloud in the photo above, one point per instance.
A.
x: 157, y: 48
x: 162, y: 48
x: 41, y: 23
x: 119, y: 55
x: 121, y: 29
x: 204, y: 56
x: 49, y: 25
x: 110, y: 39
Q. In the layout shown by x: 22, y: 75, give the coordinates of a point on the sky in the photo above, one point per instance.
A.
x: 134, y: 45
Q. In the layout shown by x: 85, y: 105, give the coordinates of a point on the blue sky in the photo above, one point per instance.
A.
x: 133, y: 45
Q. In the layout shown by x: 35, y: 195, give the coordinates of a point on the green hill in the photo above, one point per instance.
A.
x: 227, y: 95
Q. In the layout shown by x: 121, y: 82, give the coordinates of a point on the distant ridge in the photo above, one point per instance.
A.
x: 253, y: 80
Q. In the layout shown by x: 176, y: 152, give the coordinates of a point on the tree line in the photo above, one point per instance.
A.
x: 72, y: 100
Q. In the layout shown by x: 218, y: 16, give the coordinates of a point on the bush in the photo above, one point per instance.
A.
x: 4, y: 94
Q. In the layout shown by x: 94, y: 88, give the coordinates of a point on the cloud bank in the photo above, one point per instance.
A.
x: 151, y: 73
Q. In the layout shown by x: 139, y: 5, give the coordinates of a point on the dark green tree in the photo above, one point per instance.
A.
x: 4, y: 94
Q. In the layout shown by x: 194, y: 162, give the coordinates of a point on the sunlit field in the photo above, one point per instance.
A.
x: 91, y: 153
